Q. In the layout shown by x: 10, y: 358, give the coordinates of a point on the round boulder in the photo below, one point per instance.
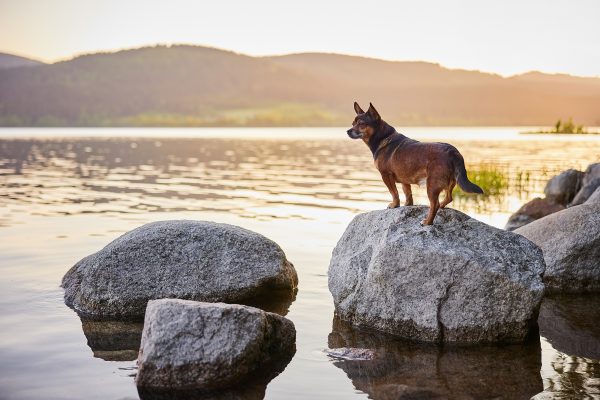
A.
x: 193, y: 260
x: 570, y: 240
x: 458, y: 280
x: 211, y: 346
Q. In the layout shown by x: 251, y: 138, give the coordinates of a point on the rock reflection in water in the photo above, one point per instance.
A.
x: 254, y: 391
x: 113, y: 340
x: 421, y: 371
x: 252, y: 388
x: 572, y: 324
x: 572, y: 365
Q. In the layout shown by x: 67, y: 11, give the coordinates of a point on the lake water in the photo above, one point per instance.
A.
x: 65, y: 193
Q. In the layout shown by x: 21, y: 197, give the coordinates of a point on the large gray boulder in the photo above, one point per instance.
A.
x: 193, y: 260
x: 570, y: 240
x: 562, y: 188
x: 210, y: 346
x: 458, y: 280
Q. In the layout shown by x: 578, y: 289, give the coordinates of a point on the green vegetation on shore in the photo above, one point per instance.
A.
x: 566, y: 127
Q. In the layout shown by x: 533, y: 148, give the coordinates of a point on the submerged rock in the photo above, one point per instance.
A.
x: 211, y: 346
x: 458, y: 280
x: 194, y: 260
x: 570, y: 240
x: 350, y: 353
x: 529, y: 212
x: 562, y: 188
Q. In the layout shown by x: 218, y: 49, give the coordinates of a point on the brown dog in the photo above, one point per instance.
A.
x: 400, y: 159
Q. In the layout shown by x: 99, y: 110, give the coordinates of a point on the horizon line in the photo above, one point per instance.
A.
x: 175, y: 44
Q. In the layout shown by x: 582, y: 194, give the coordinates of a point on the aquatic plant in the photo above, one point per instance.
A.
x: 490, y: 178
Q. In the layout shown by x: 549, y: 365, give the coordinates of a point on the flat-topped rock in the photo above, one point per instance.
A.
x: 570, y: 240
x: 458, y: 280
x: 194, y: 260
x: 211, y: 346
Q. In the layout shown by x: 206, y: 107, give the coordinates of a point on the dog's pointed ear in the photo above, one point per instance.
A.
x: 358, y: 109
x: 373, y: 112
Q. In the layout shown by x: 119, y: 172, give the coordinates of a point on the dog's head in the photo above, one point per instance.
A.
x: 365, y: 124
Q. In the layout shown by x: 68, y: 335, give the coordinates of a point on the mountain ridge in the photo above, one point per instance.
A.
x: 13, y: 61
x: 184, y: 85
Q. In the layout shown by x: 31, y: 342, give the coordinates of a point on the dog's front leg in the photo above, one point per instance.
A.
x: 408, y: 194
x: 390, y: 182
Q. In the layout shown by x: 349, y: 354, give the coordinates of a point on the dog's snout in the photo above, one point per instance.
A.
x: 353, y: 134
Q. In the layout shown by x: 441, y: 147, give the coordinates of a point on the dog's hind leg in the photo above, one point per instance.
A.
x: 408, y: 194
x: 448, y: 196
x: 433, y: 193
x: 390, y: 182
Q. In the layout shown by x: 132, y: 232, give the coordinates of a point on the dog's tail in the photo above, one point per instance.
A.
x: 460, y: 173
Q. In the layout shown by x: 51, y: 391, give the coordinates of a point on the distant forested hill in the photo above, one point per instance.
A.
x: 11, y: 61
x: 199, y: 86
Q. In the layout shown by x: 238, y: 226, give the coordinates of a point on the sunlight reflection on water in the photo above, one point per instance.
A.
x: 267, y: 178
x: 64, y: 197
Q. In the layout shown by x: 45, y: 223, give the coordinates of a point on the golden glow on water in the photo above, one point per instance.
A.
x: 269, y: 173
x: 63, y: 199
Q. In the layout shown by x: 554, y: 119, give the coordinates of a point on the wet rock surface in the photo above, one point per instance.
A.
x: 570, y: 241
x: 189, y: 345
x: 349, y: 353
x: 401, y: 369
x: 458, y: 280
x: 194, y: 260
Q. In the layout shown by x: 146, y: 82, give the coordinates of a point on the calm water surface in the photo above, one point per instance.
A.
x: 65, y: 193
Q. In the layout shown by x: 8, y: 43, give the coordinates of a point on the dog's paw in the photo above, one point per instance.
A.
x: 393, y: 205
x: 425, y: 223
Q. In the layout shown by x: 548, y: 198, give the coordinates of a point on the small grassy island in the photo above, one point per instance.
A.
x: 566, y: 127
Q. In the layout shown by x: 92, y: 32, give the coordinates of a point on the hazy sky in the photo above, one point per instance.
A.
x: 507, y: 37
